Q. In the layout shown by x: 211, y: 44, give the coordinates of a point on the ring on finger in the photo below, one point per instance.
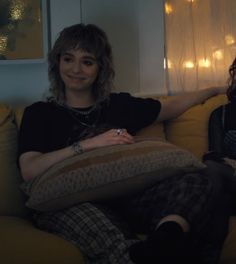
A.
x: 119, y: 131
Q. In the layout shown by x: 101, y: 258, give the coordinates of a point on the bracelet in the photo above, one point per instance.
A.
x: 77, y: 148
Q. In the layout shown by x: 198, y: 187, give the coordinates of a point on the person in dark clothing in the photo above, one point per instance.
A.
x: 83, y: 114
x: 222, y: 124
x: 222, y: 137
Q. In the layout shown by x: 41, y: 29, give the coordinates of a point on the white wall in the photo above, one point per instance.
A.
x: 135, y: 30
x: 63, y: 13
x: 151, y: 47
x: 119, y: 19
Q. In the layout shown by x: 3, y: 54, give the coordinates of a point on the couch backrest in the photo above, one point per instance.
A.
x: 190, y: 130
x: 11, y: 197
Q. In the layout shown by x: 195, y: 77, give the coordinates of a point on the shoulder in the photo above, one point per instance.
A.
x: 40, y: 110
x: 129, y: 103
x: 227, y: 109
x: 231, y: 108
x: 219, y: 109
x: 115, y: 100
x: 40, y: 105
x: 119, y: 96
x: 127, y: 97
x: 217, y: 114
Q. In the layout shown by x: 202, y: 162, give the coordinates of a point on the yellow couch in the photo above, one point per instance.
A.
x: 21, y: 242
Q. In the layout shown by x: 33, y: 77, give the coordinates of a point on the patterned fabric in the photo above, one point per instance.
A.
x: 108, y: 172
x: 230, y: 143
x: 104, y: 232
x: 89, y: 228
x: 185, y: 195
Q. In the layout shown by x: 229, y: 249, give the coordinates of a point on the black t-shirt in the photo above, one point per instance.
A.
x: 48, y: 126
x: 222, y: 130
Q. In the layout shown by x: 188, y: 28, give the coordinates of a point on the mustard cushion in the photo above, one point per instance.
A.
x: 107, y: 172
x: 11, y: 197
x: 18, y: 111
x: 22, y: 243
x: 190, y: 130
x: 156, y: 130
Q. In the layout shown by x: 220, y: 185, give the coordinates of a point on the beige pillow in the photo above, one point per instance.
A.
x: 107, y: 173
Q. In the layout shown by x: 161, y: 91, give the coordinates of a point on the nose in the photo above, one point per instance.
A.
x: 76, y: 67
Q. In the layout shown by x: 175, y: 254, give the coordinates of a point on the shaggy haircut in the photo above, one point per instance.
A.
x: 231, y: 92
x: 88, y: 38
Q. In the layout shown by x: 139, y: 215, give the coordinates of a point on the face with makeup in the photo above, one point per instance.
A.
x: 78, y: 70
x: 81, y: 65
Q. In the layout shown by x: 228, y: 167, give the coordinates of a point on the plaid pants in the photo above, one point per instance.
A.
x: 103, y: 231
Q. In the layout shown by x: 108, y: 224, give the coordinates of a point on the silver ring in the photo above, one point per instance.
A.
x: 119, y: 131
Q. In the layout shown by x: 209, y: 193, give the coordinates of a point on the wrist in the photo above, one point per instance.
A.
x: 77, y: 148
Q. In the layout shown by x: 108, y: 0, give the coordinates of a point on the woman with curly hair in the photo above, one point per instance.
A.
x: 222, y: 123
x: 83, y: 114
x: 222, y: 137
x: 85, y: 39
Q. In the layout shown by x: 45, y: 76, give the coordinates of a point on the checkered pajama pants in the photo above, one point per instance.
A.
x: 103, y: 231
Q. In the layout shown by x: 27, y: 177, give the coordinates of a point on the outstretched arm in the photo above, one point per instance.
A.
x: 177, y: 104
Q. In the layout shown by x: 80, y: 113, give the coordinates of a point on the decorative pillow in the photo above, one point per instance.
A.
x: 107, y: 173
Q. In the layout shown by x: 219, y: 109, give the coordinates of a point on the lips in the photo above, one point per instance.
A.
x: 77, y: 78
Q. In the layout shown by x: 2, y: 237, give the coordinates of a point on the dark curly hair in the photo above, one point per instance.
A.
x: 88, y: 38
x: 231, y: 92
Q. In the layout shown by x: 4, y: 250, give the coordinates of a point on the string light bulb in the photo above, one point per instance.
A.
x: 168, y: 8
x: 167, y: 64
x: 204, y: 63
x: 188, y: 64
x: 229, y: 39
x: 218, y: 54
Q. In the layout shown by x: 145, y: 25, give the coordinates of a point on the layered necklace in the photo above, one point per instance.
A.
x: 85, y: 121
x: 87, y: 117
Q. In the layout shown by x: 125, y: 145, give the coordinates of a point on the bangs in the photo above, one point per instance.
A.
x: 85, y: 41
x: 90, y: 39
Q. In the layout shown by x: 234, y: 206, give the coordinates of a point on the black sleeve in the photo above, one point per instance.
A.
x: 32, y: 129
x: 216, y: 131
x: 136, y: 112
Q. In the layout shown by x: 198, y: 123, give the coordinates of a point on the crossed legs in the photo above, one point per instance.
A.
x: 168, y: 213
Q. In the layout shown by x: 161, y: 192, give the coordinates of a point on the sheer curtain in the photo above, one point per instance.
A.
x: 200, y: 43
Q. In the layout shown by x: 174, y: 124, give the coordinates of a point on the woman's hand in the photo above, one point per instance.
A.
x: 108, y: 138
x: 34, y: 163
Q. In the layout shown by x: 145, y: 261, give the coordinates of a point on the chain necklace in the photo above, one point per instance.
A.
x: 87, y: 118
x: 81, y: 112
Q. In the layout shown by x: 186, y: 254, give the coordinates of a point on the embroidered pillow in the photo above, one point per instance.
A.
x: 107, y: 173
